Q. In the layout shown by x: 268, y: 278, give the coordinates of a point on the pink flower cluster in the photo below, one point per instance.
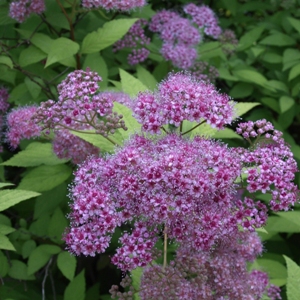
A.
x: 205, y: 18
x: 188, y: 186
x: 135, y: 39
x: 123, y: 5
x: 181, y: 97
x: 22, y: 9
x: 179, y: 37
x: 270, y: 165
x: 80, y: 107
x: 21, y: 125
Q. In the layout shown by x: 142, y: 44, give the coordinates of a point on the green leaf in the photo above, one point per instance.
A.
x: 285, y: 103
x: 4, y: 266
x: 130, y: 122
x: 31, y: 55
x: 61, y: 49
x: 35, y: 154
x: 146, y: 78
x: 5, y: 243
x: 250, y: 38
x: 76, y: 288
x: 241, y: 90
x: 42, y: 41
x: 295, y: 23
x: 243, y: 107
x: 40, y: 256
x: 277, y: 271
x: 272, y: 58
x: 7, y: 75
x: 131, y: 85
x: 33, y: 88
x: 9, y: 198
x: 67, y: 264
x: 226, y: 133
x: 18, y: 270
x: 250, y: 76
x: 96, y: 139
x: 45, y: 178
x: 50, y: 200
x: 4, y: 184
x: 225, y: 74
x: 4, y: 229
x: 27, y: 248
x: 96, y: 63
x: 293, y: 280
x: 57, y: 225
x: 294, y: 72
x: 280, y: 224
x: 278, y: 85
x: 111, y: 32
x: 136, y: 275
x: 271, y: 103
x: 278, y: 39
x: 290, y: 58
x: 5, y: 60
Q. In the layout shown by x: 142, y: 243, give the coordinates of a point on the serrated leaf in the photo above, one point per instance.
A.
x: 136, y: 275
x: 45, y: 178
x: 250, y: 76
x: 5, y: 60
x: 5, y: 243
x: 18, y: 270
x: 293, y: 279
x: 130, y: 122
x: 278, y: 39
x: 285, y: 103
x: 9, y: 198
x: 111, y: 32
x: 76, y: 288
x: 96, y: 139
x: 40, y: 256
x: 31, y: 55
x: 146, y: 78
x: 131, y: 85
x: 61, y: 48
x: 35, y: 154
x: 243, y: 107
x: 67, y: 264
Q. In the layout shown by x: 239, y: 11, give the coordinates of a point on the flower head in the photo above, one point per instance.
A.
x: 22, y: 9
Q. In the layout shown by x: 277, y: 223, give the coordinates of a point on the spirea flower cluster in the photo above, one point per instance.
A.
x: 123, y: 5
x: 136, y: 40
x: 21, y: 125
x: 20, y: 10
x: 182, y: 97
x: 179, y: 37
x: 80, y: 106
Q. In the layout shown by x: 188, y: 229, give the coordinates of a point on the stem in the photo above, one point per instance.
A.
x: 180, y: 128
x: 193, y: 128
x: 44, y: 279
x: 163, y: 128
x: 72, y: 35
x: 165, y: 246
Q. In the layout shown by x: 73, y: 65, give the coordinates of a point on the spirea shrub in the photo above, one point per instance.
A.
x: 190, y: 191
